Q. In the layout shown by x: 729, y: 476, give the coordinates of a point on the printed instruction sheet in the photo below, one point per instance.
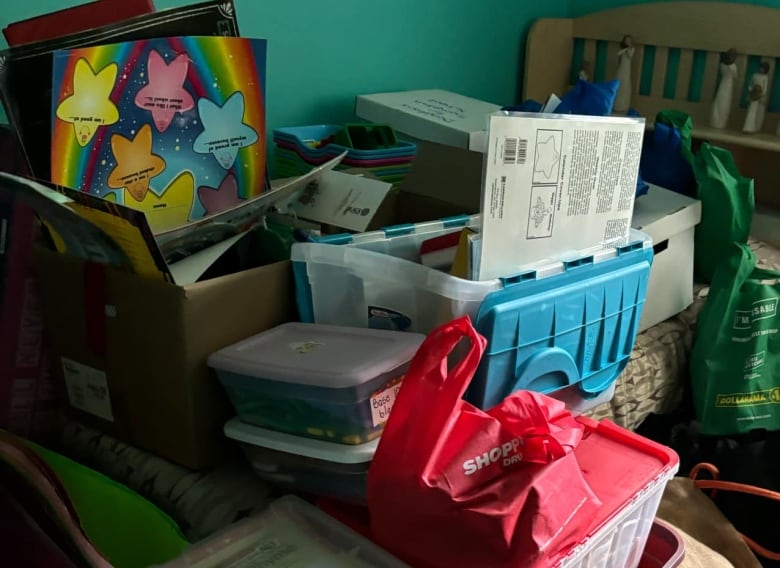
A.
x: 555, y: 185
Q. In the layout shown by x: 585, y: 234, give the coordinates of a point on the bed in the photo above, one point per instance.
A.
x: 675, y: 66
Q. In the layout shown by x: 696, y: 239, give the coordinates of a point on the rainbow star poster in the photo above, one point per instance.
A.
x: 174, y: 127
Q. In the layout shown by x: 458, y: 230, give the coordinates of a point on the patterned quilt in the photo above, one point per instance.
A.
x: 203, y: 502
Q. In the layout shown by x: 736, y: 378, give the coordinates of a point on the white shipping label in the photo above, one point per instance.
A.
x: 555, y: 186
x: 382, y: 403
x: 87, y: 389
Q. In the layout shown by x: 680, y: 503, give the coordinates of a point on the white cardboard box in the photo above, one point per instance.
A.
x: 670, y: 219
x: 434, y: 115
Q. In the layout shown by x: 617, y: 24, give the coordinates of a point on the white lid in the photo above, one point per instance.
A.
x: 240, y: 431
x: 319, y: 355
x: 663, y: 213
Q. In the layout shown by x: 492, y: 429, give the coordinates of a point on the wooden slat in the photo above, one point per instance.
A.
x: 769, y: 121
x: 659, y: 72
x: 709, y: 81
x: 589, y: 55
x: 684, y: 75
x: 610, y: 71
x: 637, y: 67
x: 711, y: 26
x: 739, y: 89
x: 548, y: 40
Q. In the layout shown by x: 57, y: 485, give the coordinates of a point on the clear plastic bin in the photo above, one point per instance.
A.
x: 328, y: 382
x: 291, y: 533
x: 304, y: 464
x: 374, y: 280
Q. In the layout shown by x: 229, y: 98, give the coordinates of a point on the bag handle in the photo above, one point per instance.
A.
x: 716, y: 484
x: 431, y: 390
x: 432, y: 357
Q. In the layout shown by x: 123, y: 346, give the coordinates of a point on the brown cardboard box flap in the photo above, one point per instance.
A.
x: 161, y: 394
x: 447, y: 174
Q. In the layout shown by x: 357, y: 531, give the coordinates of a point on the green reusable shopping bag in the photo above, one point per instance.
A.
x: 727, y: 204
x: 735, y: 363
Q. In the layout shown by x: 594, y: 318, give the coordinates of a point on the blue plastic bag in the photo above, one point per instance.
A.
x: 585, y: 98
x: 663, y: 161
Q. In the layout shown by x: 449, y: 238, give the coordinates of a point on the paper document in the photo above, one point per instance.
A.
x: 343, y: 200
x: 249, y: 212
x: 555, y: 185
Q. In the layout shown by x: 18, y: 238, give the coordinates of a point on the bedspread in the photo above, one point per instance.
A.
x: 203, y: 502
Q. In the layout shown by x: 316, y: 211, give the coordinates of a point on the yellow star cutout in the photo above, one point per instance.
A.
x: 169, y: 210
x: 89, y: 107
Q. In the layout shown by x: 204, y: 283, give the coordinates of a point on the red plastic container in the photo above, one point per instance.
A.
x: 626, y: 471
x: 664, y: 549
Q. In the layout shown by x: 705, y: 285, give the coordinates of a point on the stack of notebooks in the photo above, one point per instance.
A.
x: 299, y: 149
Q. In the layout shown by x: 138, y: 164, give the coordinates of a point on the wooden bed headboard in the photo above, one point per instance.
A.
x: 678, y: 46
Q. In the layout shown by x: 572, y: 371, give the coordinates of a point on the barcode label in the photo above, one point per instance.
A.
x: 522, y: 150
x: 515, y: 151
x: 510, y: 151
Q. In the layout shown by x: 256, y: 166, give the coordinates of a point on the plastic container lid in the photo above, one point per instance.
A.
x: 289, y: 533
x: 319, y: 355
x: 240, y: 431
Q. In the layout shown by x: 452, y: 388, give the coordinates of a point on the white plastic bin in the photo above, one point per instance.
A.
x: 628, y: 473
x: 305, y: 464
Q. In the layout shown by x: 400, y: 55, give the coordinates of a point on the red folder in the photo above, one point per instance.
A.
x: 71, y: 20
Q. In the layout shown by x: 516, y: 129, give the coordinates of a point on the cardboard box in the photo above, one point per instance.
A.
x: 670, y: 219
x: 433, y: 115
x: 132, y: 351
x: 442, y: 182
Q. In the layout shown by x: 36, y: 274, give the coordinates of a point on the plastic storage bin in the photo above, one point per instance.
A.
x: 290, y: 533
x: 304, y: 464
x: 572, y: 324
x: 565, y: 328
x: 664, y: 549
x: 375, y: 280
x: 327, y: 382
x: 299, y: 149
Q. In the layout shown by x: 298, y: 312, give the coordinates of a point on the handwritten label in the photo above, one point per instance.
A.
x: 87, y: 389
x: 382, y: 403
x: 164, y: 103
x: 134, y: 177
x: 304, y: 347
x: 87, y: 119
x: 221, y: 144
x: 436, y: 109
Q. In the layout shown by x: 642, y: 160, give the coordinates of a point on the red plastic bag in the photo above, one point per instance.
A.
x: 452, y: 485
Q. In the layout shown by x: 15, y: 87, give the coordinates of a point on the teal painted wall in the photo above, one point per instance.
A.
x: 580, y: 7
x: 321, y: 54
